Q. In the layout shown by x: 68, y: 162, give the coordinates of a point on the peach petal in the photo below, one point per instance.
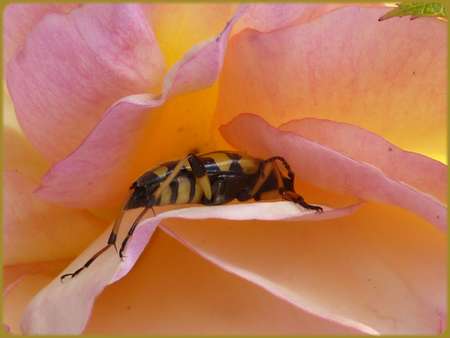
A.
x: 95, y: 174
x: 20, y: 283
x: 381, y: 266
x: 387, y: 77
x: 173, y: 290
x: 12, y: 274
x: 277, y: 290
x: 329, y: 169
x: 20, y: 156
x: 39, y: 231
x: 86, y: 60
x: 19, y: 20
x: 9, y: 114
x: 180, y: 26
x: 44, y: 314
x: 17, y: 299
x: 418, y: 171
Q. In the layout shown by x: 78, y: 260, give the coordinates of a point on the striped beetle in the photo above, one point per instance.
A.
x: 210, y: 179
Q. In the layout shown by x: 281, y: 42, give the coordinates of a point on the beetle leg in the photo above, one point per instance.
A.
x: 296, y: 198
x: 111, y: 242
x: 132, y: 228
x: 197, y: 168
x: 115, y: 229
x: 265, y: 169
x: 112, y: 239
x: 86, y: 265
x: 199, y: 172
x: 285, y: 187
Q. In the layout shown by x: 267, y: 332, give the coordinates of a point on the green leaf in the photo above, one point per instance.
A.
x: 417, y: 10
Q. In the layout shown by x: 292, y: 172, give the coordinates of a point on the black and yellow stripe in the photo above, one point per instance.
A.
x: 182, y: 190
x: 191, y: 184
x: 230, y: 162
x: 211, y: 179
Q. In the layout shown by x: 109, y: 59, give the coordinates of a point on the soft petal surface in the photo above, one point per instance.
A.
x: 186, y: 295
x: 180, y: 26
x: 87, y: 59
x: 44, y: 315
x: 381, y: 266
x: 418, y: 171
x: 20, y: 283
x: 16, y: 300
x: 35, y: 230
x: 9, y: 113
x: 124, y: 143
x: 18, y: 154
x: 99, y: 172
x: 19, y: 20
x: 333, y: 170
x: 269, y: 17
x: 345, y: 66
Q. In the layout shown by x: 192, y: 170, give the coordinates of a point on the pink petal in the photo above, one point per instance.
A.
x: 387, y: 77
x: 418, y: 171
x: 101, y: 169
x: 381, y: 266
x: 99, y: 172
x: 39, y: 231
x: 270, y: 17
x: 19, y: 20
x: 335, y: 171
x: 87, y: 59
x: 44, y: 314
x: 180, y: 26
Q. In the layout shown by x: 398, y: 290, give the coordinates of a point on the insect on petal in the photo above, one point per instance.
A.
x: 65, y: 307
x: 335, y: 170
x: 80, y: 179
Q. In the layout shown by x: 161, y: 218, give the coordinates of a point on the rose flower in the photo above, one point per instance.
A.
x: 98, y: 94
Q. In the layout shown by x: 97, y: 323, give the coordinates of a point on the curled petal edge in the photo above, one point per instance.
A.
x: 78, y: 180
x: 65, y: 307
x: 333, y: 169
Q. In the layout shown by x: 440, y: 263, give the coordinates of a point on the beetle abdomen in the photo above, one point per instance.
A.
x: 229, y: 162
x: 183, y: 189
